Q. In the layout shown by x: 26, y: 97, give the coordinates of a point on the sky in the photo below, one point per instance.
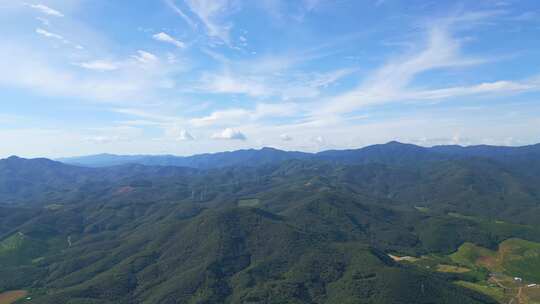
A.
x: 183, y: 77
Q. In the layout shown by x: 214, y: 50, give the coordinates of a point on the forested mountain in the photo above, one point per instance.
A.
x: 392, y: 153
x: 280, y: 228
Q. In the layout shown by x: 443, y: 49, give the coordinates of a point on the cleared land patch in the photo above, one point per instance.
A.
x: 9, y: 297
x: 452, y: 269
x: 403, y: 258
x: 514, y: 257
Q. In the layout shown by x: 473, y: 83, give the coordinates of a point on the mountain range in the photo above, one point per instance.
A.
x: 268, y: 226
x: 393, y: 152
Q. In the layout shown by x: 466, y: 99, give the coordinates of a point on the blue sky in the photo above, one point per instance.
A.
x: 191, y: 76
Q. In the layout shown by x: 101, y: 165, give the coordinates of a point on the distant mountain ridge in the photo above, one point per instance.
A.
x: 393, y: 152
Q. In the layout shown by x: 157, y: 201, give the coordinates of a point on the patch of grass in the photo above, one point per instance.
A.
x: 468, y: 254
x: 496, y: 293
x: 461, y: 216
x: 20, y: 249
x: 12, y: 243
x: 251, y: 202
x: 422, y: 209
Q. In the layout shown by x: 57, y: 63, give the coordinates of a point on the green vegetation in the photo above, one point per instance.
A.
x: 490, y: 290
x: 469, y: 255
x: 315, y: 230
x: 252, y: 202
x: 514, y: 257
x: 422, y: 209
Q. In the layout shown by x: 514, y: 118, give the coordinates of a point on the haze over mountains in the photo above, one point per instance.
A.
x: 392, y: 152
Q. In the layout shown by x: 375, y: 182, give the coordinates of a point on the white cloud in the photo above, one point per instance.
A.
x: 49, y: 34
x: 61, y: 38
x: 239, y: 116
x: 44, y: 21
x: 227, y: 83
x: 285, y: 137
x: 229, y: 134
x: 185, y: 136
x: 181, y: 13
x: 145, y: 57
x: 177, y: 133
x: 261, y: 82
x: 483, y: 88
x: 99, y: 65
x: 211, y: 13
x: 388, y: 82
x: 46, y: 10
x: 319, y: 140
x: 108, y: 135
x: 101, y: 139
x: 164, y: 37
x: 222, y: 117
x: 45, y: 73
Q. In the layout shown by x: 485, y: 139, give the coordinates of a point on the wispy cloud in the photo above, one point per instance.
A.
x: 240, y: 116
x: 42, y: 74
x: 145, y: 57
x: 259, y: 82
x: 486, y: 88
x: 48, y: 34
x: 164, y: 37
x: 211, y: 13
x: 45, y: 10
x: 181, y: 13
x: 387, y: 83
x: 98, y: 65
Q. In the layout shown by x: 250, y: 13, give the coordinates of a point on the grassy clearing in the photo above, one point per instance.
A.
x: 252, y: 202
x: 521, y: 258
x: 496, y: 293
x: 9, y: 297
x: 514, y: 257
x: 422, y: 209
x: 12, y: 243
x: 469, y: 255
x: 452, y: 269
